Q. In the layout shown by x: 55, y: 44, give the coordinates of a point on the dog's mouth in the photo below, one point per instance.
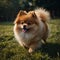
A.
x: 25, y: 30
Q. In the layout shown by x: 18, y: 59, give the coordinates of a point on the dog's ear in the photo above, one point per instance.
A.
x: 21, y: 12
x: 33, y: 14
x: 34, y: 17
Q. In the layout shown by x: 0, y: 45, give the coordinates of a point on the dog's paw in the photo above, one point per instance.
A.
x: 30, y: 50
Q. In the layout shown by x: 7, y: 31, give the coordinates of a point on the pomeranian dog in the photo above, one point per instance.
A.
x: 31, y: 28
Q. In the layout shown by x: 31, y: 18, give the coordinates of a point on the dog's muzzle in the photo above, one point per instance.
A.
x: 25, y: 29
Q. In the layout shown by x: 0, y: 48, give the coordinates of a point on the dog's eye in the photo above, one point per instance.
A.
x: 29, y: 23
x: 22, y: 22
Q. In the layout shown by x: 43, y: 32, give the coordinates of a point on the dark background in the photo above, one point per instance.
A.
x: 10, y: 8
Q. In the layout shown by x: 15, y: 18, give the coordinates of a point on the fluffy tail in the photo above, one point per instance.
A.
x: 43, y: 14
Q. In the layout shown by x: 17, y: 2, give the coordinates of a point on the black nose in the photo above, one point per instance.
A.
x: 24, y: 26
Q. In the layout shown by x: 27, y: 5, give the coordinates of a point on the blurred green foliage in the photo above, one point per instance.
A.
x: 10, y: 8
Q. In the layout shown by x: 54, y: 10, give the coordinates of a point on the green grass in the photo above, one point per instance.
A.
x: 11, y: 50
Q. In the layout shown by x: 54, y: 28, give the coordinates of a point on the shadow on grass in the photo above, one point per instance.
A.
x: 52, y: 49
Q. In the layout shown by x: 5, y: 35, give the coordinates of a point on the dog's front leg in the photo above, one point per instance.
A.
x: 34, y: 46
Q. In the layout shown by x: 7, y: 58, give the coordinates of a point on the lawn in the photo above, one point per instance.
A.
x: 11, y: 50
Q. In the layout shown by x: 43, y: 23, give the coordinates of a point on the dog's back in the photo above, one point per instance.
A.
x: 44, y: 16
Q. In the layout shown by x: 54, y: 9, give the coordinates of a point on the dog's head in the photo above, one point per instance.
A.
x: 26, y: 21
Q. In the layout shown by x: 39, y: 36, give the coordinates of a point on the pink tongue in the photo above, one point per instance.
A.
x: 23, y: 30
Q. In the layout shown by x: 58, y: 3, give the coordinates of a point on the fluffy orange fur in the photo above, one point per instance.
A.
x: 31, y: 28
